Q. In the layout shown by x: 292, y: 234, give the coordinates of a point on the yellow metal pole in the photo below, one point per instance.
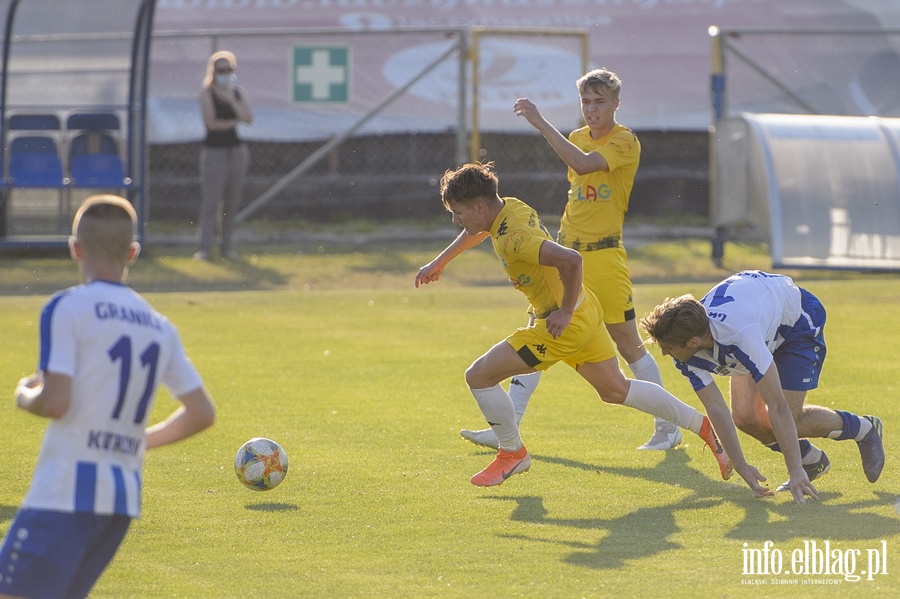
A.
x: 475, y: 149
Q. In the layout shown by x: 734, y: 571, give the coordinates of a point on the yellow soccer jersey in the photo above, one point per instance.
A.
x: 598, y: 201
x: 517, y: 235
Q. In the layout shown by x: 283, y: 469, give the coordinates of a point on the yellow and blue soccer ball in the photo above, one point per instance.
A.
x: 261, y: 464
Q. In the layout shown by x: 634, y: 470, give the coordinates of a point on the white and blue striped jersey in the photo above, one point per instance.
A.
x: 749, y: 314
x: 116, y: 349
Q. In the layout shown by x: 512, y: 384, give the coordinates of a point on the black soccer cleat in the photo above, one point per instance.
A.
x: 871, y: 449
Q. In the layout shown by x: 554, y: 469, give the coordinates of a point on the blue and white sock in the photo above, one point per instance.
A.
x: 854, y: 427
x: 809, y: 453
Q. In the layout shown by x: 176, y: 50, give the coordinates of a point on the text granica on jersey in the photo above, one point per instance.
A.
x: 109, y: 311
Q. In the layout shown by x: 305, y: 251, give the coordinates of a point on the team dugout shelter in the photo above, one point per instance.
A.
x: 73, y: 91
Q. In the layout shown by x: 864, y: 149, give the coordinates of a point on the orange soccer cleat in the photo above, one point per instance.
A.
x: 505, y: 464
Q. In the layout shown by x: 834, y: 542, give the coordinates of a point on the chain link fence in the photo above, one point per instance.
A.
x: 389, y: 166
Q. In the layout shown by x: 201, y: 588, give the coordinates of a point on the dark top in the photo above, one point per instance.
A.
x: 222, y: 139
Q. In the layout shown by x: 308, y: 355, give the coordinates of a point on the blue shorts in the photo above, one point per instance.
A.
x: 58, y: 554
x: 799, y: 359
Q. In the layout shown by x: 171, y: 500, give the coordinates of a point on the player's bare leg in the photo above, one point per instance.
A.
x: 813, y: 421
x: 748, y: 410
x: 752, y: 417
x: 819, y: 421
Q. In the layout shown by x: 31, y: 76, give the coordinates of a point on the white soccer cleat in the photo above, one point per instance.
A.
x: 813, y: 471
x: 666, y: 436
x: 484, y: 438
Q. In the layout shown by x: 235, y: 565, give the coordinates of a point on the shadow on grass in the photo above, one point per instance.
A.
x: 155, y: 271
x: 827, y: 519
x: 647, y: 531
x: 273, y: 507
x: 639, y: 534
x: 262, y: 267
x: 216, y: 275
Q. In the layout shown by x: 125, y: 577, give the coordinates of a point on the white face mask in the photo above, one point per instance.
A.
x: 225, y: 79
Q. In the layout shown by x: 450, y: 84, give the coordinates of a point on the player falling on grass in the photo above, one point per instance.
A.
x: 766, y: 333
x: 602, y: 158
x: 103, y: 350
x: 566, y: 325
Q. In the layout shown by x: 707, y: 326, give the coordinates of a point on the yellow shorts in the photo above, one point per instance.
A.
x: 606, y: 274
x: 584, y: 340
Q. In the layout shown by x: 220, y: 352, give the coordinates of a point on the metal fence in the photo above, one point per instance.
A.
x: 366, y: 157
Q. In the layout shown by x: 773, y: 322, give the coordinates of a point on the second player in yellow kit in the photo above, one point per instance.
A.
x: 595, y: 214
x: 602, y: 158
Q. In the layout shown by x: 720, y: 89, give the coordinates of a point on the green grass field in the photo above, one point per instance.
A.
x: 334, y: 353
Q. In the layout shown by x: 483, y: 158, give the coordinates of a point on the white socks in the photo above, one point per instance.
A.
x: 498, y: 410
x: 646, y: 369
x: 521, y: 387
x: 653, y: 399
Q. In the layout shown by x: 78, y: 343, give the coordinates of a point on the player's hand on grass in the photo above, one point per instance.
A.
x: 801, y: 487
x: 557, y: 322
x: 429, y: 273
x: 754, y: 478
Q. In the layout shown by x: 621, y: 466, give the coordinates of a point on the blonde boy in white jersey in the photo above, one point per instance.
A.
x: 602, y: 159
x: 566, y: 325
x: 103, y: 350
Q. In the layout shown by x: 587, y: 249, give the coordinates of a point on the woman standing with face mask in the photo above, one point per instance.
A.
x: 224, y: 158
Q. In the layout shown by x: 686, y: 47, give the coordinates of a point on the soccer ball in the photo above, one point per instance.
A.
x: 261, y: 464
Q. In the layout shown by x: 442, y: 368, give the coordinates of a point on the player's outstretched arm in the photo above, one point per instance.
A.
x: 47, y: 395
x: 432, y: 271
x: 195, y: 414
x: 720, y: 417
x: 785, y: 430
x: 579, y: 161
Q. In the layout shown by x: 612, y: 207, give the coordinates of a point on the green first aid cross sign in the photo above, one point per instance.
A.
x: 321, y: 74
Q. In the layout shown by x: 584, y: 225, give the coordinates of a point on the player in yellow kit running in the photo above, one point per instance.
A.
x: 566, y: 321
x: 602, y: 158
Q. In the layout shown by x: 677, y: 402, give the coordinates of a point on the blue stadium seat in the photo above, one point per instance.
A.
x: 34, y: 162
x: 94, y: 159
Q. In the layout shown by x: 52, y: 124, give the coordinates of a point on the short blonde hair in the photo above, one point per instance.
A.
x: 106, y: 226
x: 601, y: 79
